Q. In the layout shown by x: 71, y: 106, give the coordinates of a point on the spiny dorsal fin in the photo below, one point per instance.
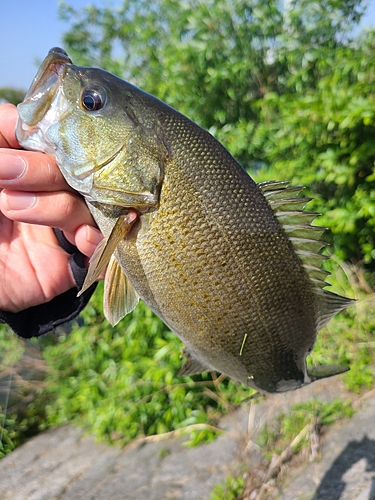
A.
x: 274, y: 185
x: 295, y: 218
x: 292, y: 204
x: 289, y: 209
x: 306, y: 244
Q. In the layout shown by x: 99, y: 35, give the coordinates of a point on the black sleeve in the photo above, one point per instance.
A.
x: 41, y: 319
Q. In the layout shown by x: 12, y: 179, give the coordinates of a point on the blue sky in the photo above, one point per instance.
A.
x: 29, y: 29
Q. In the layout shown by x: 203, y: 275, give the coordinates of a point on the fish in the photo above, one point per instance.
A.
x: 233, y: 268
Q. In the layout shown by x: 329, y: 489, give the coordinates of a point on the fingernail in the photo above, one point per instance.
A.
x: 11, y: 166
x: 20, y: 200
x: 93, y: 235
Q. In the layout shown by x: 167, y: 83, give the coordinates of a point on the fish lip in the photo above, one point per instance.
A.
x: 44, y: 87
x: 53, y: 64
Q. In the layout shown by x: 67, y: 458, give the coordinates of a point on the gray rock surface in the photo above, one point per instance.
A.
x: 63, y: 463
x: 346, y: 470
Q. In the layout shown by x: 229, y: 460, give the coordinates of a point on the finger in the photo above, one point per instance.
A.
x: 8, y: 120
x: 86, y: 238
x: 61, y: 209
x: 30, y: 171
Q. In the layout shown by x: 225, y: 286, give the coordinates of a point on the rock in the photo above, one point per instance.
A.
x: 64, y: 464
x: 346, y: 470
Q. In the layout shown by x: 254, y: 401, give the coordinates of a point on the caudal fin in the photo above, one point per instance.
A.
x: 324, y: 371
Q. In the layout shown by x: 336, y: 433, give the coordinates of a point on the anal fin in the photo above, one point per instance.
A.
x: 191, y: 366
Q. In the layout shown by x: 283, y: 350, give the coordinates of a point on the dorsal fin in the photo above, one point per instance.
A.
x: 288, y: 207
x: 329, y: 304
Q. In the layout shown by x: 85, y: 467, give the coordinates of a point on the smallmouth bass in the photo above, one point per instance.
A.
x: 231, y: 266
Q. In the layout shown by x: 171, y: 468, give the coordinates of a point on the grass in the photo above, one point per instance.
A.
x: 274, y: 439
x: 8, y: 433
x: 232, y: 489
x: 22, y: 398
x: 11, y: 349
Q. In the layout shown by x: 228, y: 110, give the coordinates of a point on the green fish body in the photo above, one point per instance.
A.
x: 230, y: 266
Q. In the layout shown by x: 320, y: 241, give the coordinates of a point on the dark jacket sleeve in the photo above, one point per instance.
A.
x: 41, y: 319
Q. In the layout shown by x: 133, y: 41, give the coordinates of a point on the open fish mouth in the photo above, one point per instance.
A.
x: 40, y: 105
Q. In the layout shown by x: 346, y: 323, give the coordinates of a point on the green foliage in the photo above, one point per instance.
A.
x: 276, y: 438
x: 11, y: 347
x: 122, y: 382
x: 16, y: 426
x: 232, y: 489
x: 10, y: 352
x: 14, y: 96
x: 326, y: 143
x: 283, y: 86
x: 9, y: 432
x: 19, y: 419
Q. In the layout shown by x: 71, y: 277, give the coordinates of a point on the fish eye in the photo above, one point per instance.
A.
x: 92, y: 99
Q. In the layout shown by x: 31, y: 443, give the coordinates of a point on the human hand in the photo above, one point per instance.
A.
x: 34, y: 198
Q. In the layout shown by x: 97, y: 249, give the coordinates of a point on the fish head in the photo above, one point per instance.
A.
x: 87, y: 119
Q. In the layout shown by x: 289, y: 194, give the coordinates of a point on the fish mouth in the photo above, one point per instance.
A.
x: 40, y: 97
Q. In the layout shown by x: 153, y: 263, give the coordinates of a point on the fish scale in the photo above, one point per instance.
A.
x: 220, y: 282
x: 232, y: 267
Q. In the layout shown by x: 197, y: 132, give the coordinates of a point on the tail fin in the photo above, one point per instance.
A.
x: 324, y: 371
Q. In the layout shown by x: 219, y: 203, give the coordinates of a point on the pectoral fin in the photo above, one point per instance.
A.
x: 106, y: 248
x: 120, y: 298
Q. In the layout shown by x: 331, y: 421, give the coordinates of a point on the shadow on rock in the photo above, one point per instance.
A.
x: 356, y: 459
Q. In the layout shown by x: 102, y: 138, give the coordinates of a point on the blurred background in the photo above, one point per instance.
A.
x: 29, y: 31
x: 288, y: 87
